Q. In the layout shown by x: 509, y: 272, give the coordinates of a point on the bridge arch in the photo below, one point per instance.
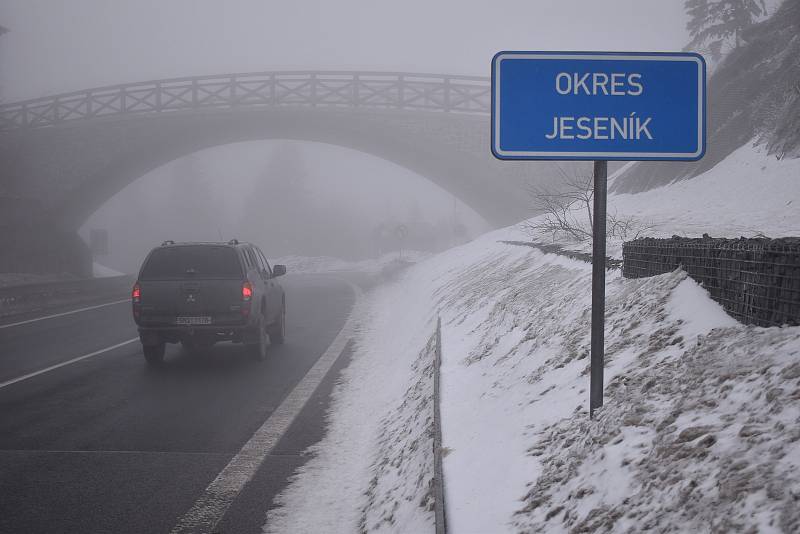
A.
x: 193, y: 133
x: 65, y: 155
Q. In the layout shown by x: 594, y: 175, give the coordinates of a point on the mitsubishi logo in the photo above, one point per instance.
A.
x: 190, y: 298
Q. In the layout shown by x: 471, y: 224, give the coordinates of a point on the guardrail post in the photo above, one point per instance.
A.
x: 356, y: 82
x: 194, y: 93
x: 232, y: 81
x: 158, y: 96
x: 440, y: 512
x: 446, y: 93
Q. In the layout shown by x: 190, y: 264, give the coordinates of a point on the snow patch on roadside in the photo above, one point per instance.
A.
x: 327, y: 264
x: 358, y: 478
x: 400, y: 493
x: 101, y: 271
x: 701, y: 314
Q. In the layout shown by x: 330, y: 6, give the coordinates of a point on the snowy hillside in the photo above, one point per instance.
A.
x: 699, y: 431
x: 754, y: 92
x: 750, y: 193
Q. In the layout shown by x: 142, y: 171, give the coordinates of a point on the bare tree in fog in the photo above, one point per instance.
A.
x: 567, y: 211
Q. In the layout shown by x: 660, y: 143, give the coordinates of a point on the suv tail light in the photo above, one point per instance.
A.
x: 247, y: 291
x: 136, y: 299
x: 247, y: 296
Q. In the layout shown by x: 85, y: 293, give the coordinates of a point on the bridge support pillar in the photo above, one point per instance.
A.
x: 39, y: 245
x: 44, y: 250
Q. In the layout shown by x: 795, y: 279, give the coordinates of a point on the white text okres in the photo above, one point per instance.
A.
x: 600, y: 128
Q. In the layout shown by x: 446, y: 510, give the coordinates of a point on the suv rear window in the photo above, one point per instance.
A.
x: 191, y: 261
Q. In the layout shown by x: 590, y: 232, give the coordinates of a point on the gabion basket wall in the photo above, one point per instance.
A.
x: 757, y: 280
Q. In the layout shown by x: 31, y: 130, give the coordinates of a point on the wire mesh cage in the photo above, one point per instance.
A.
x: 757, y: 281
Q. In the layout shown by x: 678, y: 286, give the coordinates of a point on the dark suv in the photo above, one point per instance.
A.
x: 201, y: 293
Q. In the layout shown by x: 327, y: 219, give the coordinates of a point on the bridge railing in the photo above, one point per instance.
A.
x: 376, y: 90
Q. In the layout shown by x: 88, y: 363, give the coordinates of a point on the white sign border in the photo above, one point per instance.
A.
x: 607, y: 155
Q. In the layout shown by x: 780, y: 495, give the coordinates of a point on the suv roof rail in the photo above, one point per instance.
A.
x: 167, y: 242
x: 233, y: 241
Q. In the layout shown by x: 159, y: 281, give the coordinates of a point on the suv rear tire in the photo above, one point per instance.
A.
x: 277, y: 331
x: 154, y: 354
x: 258, y: 350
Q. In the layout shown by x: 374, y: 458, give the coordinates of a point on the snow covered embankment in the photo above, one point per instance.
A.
x: 699, y: 432
x: 700, y: 427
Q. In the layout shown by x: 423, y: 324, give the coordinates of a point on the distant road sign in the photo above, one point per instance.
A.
x: 598, y: 106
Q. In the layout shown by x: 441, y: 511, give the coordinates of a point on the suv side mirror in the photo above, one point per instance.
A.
x: 278, y: 270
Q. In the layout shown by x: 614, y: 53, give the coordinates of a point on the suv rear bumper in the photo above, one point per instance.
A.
x: 154, y: 335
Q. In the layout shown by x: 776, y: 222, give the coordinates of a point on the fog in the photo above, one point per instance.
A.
x: 56, y: 46
x: 342, y: 198
x: 307, y: 198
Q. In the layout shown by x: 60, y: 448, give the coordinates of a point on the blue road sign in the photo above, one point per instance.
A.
x: 598, y: 106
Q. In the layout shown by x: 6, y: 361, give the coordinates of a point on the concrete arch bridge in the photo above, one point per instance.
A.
x: 65, y: 155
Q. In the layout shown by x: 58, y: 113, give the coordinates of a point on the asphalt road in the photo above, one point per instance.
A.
x: 105, y: 444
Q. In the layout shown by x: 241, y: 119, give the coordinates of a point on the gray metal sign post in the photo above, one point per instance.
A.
x: 598, y: 106
x: 598, y: 286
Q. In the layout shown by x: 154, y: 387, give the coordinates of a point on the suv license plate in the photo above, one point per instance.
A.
x: 193, y: 320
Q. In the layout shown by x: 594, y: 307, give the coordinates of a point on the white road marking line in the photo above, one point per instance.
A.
x: 68, y: 362
x: 209, y: 509
x: 64, y: 313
